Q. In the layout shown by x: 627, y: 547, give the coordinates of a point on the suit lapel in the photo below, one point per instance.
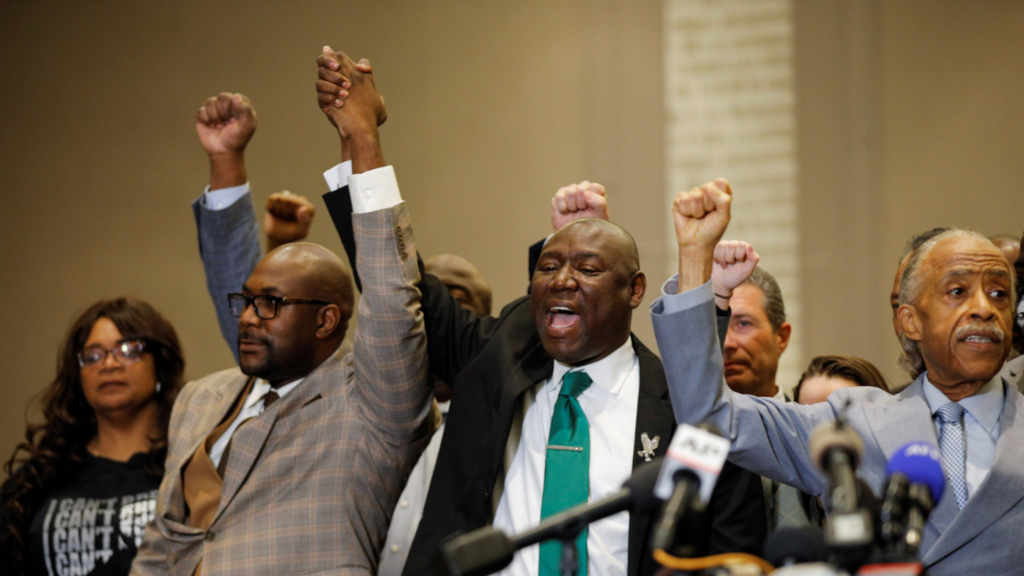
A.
x: 534, y: 367
x: 1001, y: 490
x: 655, y: 418
x: 248, y: 441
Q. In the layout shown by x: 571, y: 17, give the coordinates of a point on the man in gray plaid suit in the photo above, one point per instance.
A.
x: 292, y: 463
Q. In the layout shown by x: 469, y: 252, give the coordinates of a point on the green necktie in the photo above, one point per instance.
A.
x: 567, y: 468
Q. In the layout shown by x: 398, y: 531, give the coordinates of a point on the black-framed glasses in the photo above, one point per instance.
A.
x: 266, y: 307
x: 126, y: 352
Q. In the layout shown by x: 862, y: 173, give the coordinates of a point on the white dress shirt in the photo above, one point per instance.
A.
x: 610, y: 404
x: 253, y: 407
x: 982, y: 412
x: 409, y: 509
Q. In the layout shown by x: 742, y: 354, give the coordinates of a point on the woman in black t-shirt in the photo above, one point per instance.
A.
x: 83, y: 485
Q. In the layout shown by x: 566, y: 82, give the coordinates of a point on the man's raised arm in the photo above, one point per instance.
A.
x: 769, y: 437
x: 392, y: 372
x: 229, y: 241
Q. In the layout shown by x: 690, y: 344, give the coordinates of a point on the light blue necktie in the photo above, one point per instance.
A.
x: 566, y: 469
x: 952, y: 445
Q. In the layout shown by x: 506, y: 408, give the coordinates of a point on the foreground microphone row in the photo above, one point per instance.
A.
x: 685, y: 477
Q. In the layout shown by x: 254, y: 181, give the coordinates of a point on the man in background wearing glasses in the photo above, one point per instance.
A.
x: 291, y: 463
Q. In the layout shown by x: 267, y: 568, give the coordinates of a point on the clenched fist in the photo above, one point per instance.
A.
x: 288, y: 218
x: 575, y: 201
x: 734, y: 263
x: 701, y: 217
x: 702, y: 214
x: 225, y: 123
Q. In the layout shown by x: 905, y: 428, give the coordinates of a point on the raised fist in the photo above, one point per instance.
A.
x: 347, y: 93
x: 225, y: 123
x: 575, y: 201
x: 288, y: 218
x: 734, y: 263
x: 702, y: 214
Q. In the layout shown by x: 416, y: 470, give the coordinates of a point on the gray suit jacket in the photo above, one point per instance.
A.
x: 312, y: 481
x: 770, y: 438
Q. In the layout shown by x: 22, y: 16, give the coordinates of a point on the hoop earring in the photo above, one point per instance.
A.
x: 158, y: 386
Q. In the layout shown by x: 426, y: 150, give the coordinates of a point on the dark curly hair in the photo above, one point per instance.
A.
x: 52, y: 451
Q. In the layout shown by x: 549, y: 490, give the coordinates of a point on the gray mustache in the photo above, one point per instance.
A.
x: 985, y: 330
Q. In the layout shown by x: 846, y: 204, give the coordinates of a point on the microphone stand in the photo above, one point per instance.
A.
x: 570, y: 557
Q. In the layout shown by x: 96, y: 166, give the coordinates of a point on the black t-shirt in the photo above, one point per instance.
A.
x: 94, y: 524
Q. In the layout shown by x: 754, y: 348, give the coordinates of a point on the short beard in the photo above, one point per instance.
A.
x: 264, y: 367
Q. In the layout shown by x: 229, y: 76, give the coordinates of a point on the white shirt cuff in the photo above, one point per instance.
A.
x: 673, y: 302
x: 221, y: 198
x: 338, y: 176
x: 374, y: 190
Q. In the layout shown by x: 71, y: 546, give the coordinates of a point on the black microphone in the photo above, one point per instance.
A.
x: 694, y: 460
x: 790, y: 546
x: 488, y: 549
x: 836, y: 449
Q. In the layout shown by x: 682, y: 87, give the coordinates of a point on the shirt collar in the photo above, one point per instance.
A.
x: 779, y: 394
x: 609, y: 373
x: 985, y: 405
x: 261, y: 387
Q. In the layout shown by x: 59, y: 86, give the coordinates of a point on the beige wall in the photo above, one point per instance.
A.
x: 493, y: 106
x: 909, y: 115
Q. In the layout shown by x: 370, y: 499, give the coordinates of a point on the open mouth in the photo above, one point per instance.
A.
x: 562, y: 318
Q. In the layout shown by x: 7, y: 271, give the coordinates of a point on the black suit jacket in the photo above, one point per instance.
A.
x: 490, y: 362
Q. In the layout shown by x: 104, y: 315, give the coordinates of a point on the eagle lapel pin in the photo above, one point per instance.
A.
x: 649, y: 446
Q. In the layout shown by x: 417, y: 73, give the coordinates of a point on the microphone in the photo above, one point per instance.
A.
x: 694, y: 460
x: 916, y: 477
x: 488, y: 549
x: 799, y: 552
x: 836, y: 449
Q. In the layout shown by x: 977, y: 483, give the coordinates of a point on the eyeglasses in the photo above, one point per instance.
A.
x: 267, y: 307
x: 126, y: 352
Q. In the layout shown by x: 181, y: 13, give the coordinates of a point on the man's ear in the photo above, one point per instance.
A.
x: 784, y: 332
x: 907, y: 316
x: 638, y: 286
x: 328, y: 321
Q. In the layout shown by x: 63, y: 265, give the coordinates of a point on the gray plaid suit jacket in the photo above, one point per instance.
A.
x: 770, y: 438
x: 313, y: 480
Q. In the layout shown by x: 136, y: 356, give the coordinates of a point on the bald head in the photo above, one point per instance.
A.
x: 314, y: 271
x: 465, y: 283
x: 585, y: 287
x: 609, y: 235
x: 312, y: 291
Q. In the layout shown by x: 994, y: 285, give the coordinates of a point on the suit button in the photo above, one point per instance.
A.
x: 209, y: 536
x: 404, y: 256
x: 398, y: 230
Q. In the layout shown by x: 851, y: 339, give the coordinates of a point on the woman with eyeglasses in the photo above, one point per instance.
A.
x: 83, y: 485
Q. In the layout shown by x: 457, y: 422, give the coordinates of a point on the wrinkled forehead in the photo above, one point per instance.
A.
x: 587, y: 238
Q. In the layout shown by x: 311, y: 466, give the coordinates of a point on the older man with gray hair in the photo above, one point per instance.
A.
x: 957, y: 299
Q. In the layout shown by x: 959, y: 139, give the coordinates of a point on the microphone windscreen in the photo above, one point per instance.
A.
x: 921, y: 463
x: 795, y: 546
x: 829, y: 436
x: 641, y: 487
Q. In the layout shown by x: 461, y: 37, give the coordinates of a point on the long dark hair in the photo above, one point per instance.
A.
x: 52, y: 451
